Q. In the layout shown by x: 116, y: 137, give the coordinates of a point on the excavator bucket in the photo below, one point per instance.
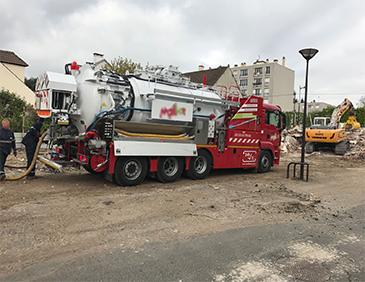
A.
x: 352, y: 123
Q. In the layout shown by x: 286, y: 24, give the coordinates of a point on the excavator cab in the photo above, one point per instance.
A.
x: 321, y: 121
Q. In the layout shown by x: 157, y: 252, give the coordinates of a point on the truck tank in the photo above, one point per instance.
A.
x: 154, y: 95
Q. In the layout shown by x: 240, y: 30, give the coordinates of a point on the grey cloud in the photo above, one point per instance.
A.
x: 48, y: 34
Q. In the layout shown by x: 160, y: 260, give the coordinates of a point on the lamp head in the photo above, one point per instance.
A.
x: 308, y: 53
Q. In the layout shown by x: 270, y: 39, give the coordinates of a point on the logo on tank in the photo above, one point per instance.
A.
x: 173, y: 111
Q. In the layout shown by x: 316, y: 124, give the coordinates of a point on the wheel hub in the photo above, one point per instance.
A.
x: 200, y: 165
x: 132, y: 170
x: 265, y: 162
x: 170, y: 166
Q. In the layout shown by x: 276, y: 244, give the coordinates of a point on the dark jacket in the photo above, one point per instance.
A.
x: 7, y: 140
x: 32, y: 136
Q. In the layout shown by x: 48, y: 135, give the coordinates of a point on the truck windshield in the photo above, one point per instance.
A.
x: 272, y: 118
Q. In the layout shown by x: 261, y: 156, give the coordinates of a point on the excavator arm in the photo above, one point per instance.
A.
x: 340, y: 110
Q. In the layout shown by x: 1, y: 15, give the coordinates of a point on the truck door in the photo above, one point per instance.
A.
x: 272, y: 127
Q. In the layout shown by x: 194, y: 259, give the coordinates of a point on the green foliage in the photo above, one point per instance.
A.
x: 327, y: 112
x: 121, y: 66
x: 11, y: 108
x: 360, y: 116
x: 30, y: 82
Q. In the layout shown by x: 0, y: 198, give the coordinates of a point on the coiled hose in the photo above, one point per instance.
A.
x: 33, y: 161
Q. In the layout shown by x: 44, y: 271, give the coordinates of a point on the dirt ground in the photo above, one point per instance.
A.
x: 73, y: 212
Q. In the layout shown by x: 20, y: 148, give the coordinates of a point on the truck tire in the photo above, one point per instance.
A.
x: 342, y: 147
x: 200, y: 166
x: 309, y: 147
x: 130, y: 171
x: 169, y: 169
x: 265, y: 161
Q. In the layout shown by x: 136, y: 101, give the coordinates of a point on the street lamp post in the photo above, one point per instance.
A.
x: 300, y: 88
x: 307, y: 54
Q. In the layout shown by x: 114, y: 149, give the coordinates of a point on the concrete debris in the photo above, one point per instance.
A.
x: 295, y: 131
x: 357, y: 143
x: 291, y: 139
x: 289, y: 144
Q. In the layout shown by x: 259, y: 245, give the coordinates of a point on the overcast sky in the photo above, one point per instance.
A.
x: 47, y: 34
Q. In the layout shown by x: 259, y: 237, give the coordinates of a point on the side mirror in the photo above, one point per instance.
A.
x: 283, y: 121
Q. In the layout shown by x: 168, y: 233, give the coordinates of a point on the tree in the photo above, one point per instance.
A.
x: 121, y: 66
x: 11, y: 108
x: 30, y: 82
x: 361, y: 103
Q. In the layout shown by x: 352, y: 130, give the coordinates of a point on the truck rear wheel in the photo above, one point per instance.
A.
x: 342, y: 147
x: 199, y: 167
x: 130, y: 171
x: 265, y: 161
x: 169, y: 169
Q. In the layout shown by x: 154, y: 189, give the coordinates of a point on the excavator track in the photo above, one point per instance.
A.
x: 342, y: 147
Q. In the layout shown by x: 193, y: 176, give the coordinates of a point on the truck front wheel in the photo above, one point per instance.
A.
x: 169, y: 169
x: 265, y: 161
x: 130, y: 171
x: 199, y: 167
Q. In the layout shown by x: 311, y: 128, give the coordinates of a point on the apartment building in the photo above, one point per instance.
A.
x: 270, y: 80
x: 312, y: 106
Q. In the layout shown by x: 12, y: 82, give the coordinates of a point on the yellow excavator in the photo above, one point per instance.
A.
x: 330, y: 135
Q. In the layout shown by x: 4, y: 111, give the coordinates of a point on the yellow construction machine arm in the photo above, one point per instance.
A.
x: 346, y: 105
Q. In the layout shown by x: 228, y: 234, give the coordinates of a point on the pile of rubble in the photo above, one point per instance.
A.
x: 292, y: 138
x: 357, y: 143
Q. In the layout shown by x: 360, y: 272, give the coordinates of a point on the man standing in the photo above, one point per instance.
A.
x: 30, y: 141
x: 7, y: 141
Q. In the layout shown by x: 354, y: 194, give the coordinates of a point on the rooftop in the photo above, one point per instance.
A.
x: 9, y: 57
x: 212, y: 75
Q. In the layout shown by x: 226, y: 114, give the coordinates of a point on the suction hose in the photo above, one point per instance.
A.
x: 145, y: 135
x: 33, y: 161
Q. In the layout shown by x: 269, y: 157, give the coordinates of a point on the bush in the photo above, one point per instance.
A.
x: 12, y: 108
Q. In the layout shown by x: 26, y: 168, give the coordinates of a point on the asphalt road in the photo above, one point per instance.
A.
x: 330, y: 248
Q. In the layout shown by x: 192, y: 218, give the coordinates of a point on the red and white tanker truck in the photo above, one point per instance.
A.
x: 154, y: 122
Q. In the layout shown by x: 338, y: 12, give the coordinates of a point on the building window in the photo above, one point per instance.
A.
x: 266, y: 92
x: 317, y: 107
x: 243, y: 82
x: 267, y: 81
x: 256, y: 92
x: 267, y: 70
x: 266, y: 101
x: 244, y: 92
x: 235, y: 73
x: 257, y: 82
x: 244, y: 72
x: 258, y: 71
